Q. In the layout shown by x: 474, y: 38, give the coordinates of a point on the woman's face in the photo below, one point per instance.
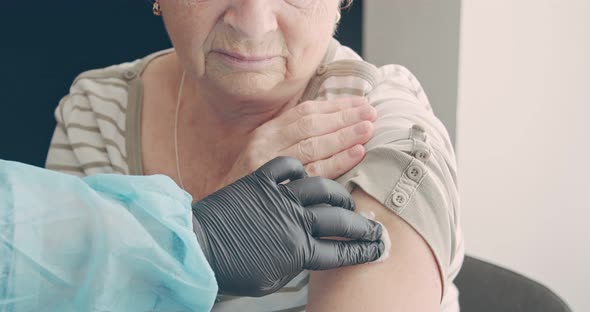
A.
x: 250, y: 48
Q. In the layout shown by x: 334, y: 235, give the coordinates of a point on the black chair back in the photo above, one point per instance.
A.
x: 485, y: 287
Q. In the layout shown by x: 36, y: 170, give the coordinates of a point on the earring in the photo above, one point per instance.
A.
x: 338, y: 16
x: 156, y: 8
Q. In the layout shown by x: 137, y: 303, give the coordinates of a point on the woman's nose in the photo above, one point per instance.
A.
x: 252, y: 18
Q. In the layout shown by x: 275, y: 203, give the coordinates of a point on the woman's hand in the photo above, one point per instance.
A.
x: 326, y: 136
x: 258, y: 234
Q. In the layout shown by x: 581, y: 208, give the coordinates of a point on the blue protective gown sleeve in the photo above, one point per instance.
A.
x: 100, y: 243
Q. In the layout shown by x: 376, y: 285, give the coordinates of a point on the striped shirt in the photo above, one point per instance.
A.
x: 410, y: 165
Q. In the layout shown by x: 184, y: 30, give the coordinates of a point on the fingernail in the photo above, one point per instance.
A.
x: 356, y: 151
x: 359, y: 101
x: 361, y: 128
x: 368, y: 112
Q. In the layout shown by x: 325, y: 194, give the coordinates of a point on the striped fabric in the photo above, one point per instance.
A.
x: 98, y: 126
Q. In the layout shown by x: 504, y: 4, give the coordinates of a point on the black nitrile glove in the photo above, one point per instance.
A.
x: 258, y: 234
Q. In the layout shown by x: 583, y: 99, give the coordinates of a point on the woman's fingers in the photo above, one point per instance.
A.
x: 321, y: 124
x: 283, y: 133
x: 325, y: 146
x: 319, y: 107
x: 317, y: 130
x: 337, y: 165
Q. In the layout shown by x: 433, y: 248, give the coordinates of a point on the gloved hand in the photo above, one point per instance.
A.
x: 258, y: 234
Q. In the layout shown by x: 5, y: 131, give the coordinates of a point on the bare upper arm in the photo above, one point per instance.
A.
x: 409, y: 280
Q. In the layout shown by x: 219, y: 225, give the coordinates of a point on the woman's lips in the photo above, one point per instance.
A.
x: 244, y: 57
x: 243, y: 61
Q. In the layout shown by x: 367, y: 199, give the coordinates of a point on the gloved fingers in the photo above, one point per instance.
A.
x: 334, y: 221
x: 267, y: 290
x: 332, y: 254
x: 283, y: 168
x: 317, y: 190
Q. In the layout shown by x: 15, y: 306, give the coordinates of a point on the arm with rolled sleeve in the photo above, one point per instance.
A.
x: 407, y: 180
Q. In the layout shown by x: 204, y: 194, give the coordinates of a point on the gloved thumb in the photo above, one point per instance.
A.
x: 282, y: 168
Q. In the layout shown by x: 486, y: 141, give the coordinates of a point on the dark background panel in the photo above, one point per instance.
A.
x: 46, y: 44
x: 350, y: 31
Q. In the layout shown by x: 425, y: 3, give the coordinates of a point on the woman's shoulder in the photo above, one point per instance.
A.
x: 108, y: 90
x: 343, y: 73
x: 98, y: 114
x: 122, y: 73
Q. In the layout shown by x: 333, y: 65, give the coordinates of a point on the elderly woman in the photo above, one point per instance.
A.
x: 249, y: 80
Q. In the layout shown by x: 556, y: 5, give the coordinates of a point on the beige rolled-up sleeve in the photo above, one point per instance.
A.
x: 410, y: 165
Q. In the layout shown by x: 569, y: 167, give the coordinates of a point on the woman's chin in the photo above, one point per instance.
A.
x: 248, y: 85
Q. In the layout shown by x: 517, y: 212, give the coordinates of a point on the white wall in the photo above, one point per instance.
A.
x: 523, y: 124
x: 422, y: 35
x: 523, y: 139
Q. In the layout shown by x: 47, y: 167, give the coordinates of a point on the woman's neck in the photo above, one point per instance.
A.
x: 226, y: 118
x: 216, y: 130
